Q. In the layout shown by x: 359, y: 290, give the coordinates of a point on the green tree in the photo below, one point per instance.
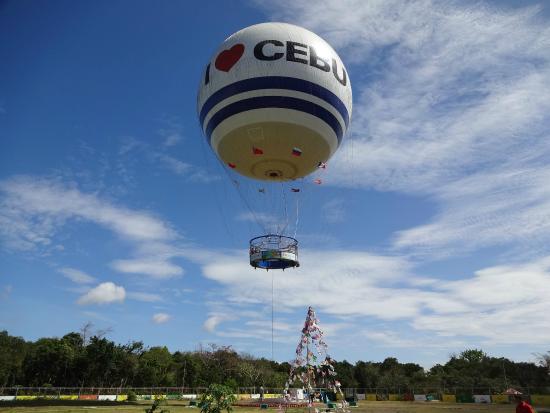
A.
x: 216, y: 399
x: 155, y: 368
x: 187, y: 369
x: 473, y: 356
x: 366, y: 374
x: 49, y: 360
x: 544, y: 360
x: 344, y: 369
x: 100, y: 361
x: 13, y: 351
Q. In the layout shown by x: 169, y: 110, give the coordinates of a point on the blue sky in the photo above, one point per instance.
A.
x: 429, y: 234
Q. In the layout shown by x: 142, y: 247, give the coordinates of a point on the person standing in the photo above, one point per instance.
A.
x: 522, y: 406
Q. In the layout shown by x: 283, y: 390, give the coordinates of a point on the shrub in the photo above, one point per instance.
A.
x: 216, y: 399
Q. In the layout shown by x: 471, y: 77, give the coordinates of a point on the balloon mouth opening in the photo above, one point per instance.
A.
x: 274, y: 174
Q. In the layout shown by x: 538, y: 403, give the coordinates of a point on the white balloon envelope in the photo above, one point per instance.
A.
x: 274, y: 102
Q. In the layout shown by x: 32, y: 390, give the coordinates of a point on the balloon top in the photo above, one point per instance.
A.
x: 274, y: 101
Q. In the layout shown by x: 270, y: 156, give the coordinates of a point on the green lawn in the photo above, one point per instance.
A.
x: 180, y: 407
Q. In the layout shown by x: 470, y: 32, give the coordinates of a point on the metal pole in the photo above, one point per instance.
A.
x: 308, y: 375
x: 184, y: 371
x: 272, y: 311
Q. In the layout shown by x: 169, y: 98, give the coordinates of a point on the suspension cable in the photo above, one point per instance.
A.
x: 272, y: 316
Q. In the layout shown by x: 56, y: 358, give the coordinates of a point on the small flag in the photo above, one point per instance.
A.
x: 295, y: 189
x: 322, y: 165
x: 317, y: 181
x: 231, y: 165
x: 257, y: 151
x: 262, y: 190
x: 296, y: 152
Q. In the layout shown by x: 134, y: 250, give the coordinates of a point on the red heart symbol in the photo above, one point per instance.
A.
x: 227, y: 59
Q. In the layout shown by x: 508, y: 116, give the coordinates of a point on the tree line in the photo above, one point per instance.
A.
x: 80, y: 359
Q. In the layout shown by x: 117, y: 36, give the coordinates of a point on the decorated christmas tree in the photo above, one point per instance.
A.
x: 313, y: 367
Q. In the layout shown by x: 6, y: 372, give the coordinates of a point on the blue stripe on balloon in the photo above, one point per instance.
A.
x: 274, y: 82
x: 283, y: 102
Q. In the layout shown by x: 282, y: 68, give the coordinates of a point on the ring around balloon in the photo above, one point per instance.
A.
x: 274, y: 102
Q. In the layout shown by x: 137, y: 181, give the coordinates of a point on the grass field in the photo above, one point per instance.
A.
x: 180, y: 407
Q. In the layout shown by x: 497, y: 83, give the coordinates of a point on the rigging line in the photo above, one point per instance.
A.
x: 283, y: 189
x: 297, y: 214
x: 283, y: 192
x: 352, y: 163
x: 211, y: 170
x: 272, y: 311
x: 243, y: 199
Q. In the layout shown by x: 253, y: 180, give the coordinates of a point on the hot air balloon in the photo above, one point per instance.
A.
x: 274, y: 104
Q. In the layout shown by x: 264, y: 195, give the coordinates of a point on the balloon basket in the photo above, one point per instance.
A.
x: 274, y: 252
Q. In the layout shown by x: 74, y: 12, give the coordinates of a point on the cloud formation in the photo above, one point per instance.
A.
x: 141, y: 296
x: 485, y: 308
x: 333, y: 211
x: 77, y: 276
x: 104, y: 293
x: 131, y: 147
x: 154, y: 267
x: 33, y: 209
x: 214, y: 320
x: 161, y: 318
x: 5, y: 292
x: 451, y: 103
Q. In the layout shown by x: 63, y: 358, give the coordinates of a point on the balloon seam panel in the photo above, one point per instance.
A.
x: 275, y: 82
x: 283, y: 102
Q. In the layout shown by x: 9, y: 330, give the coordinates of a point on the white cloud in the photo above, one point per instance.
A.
x: 161, y: 318
x: 334, y: 279
x: 513, y: 210
x: 104, y: 293
x: 333, y: 211
x: 161, y: 158
x: 451, y: 103
x: 173, y: 164
x: 77, y: 276
x: 36, y: 205
x: 32, y: 211
x: 191, y: 173
x: 97, y: 316
x: 5, y: 292
x: 203, y: 176
x: 215, y: 319
x: 171, y: 131
x: 172, y: 139
x: 486, y: 308
x: 146, y: 297
x: 269, y: 222
x: 397, y: 339
x: 154, y: 267
x: 129, y: 144
x: 497, y: 302
x: 277, y: 325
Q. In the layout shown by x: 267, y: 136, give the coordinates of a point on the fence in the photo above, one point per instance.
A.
x: 539, y: 396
